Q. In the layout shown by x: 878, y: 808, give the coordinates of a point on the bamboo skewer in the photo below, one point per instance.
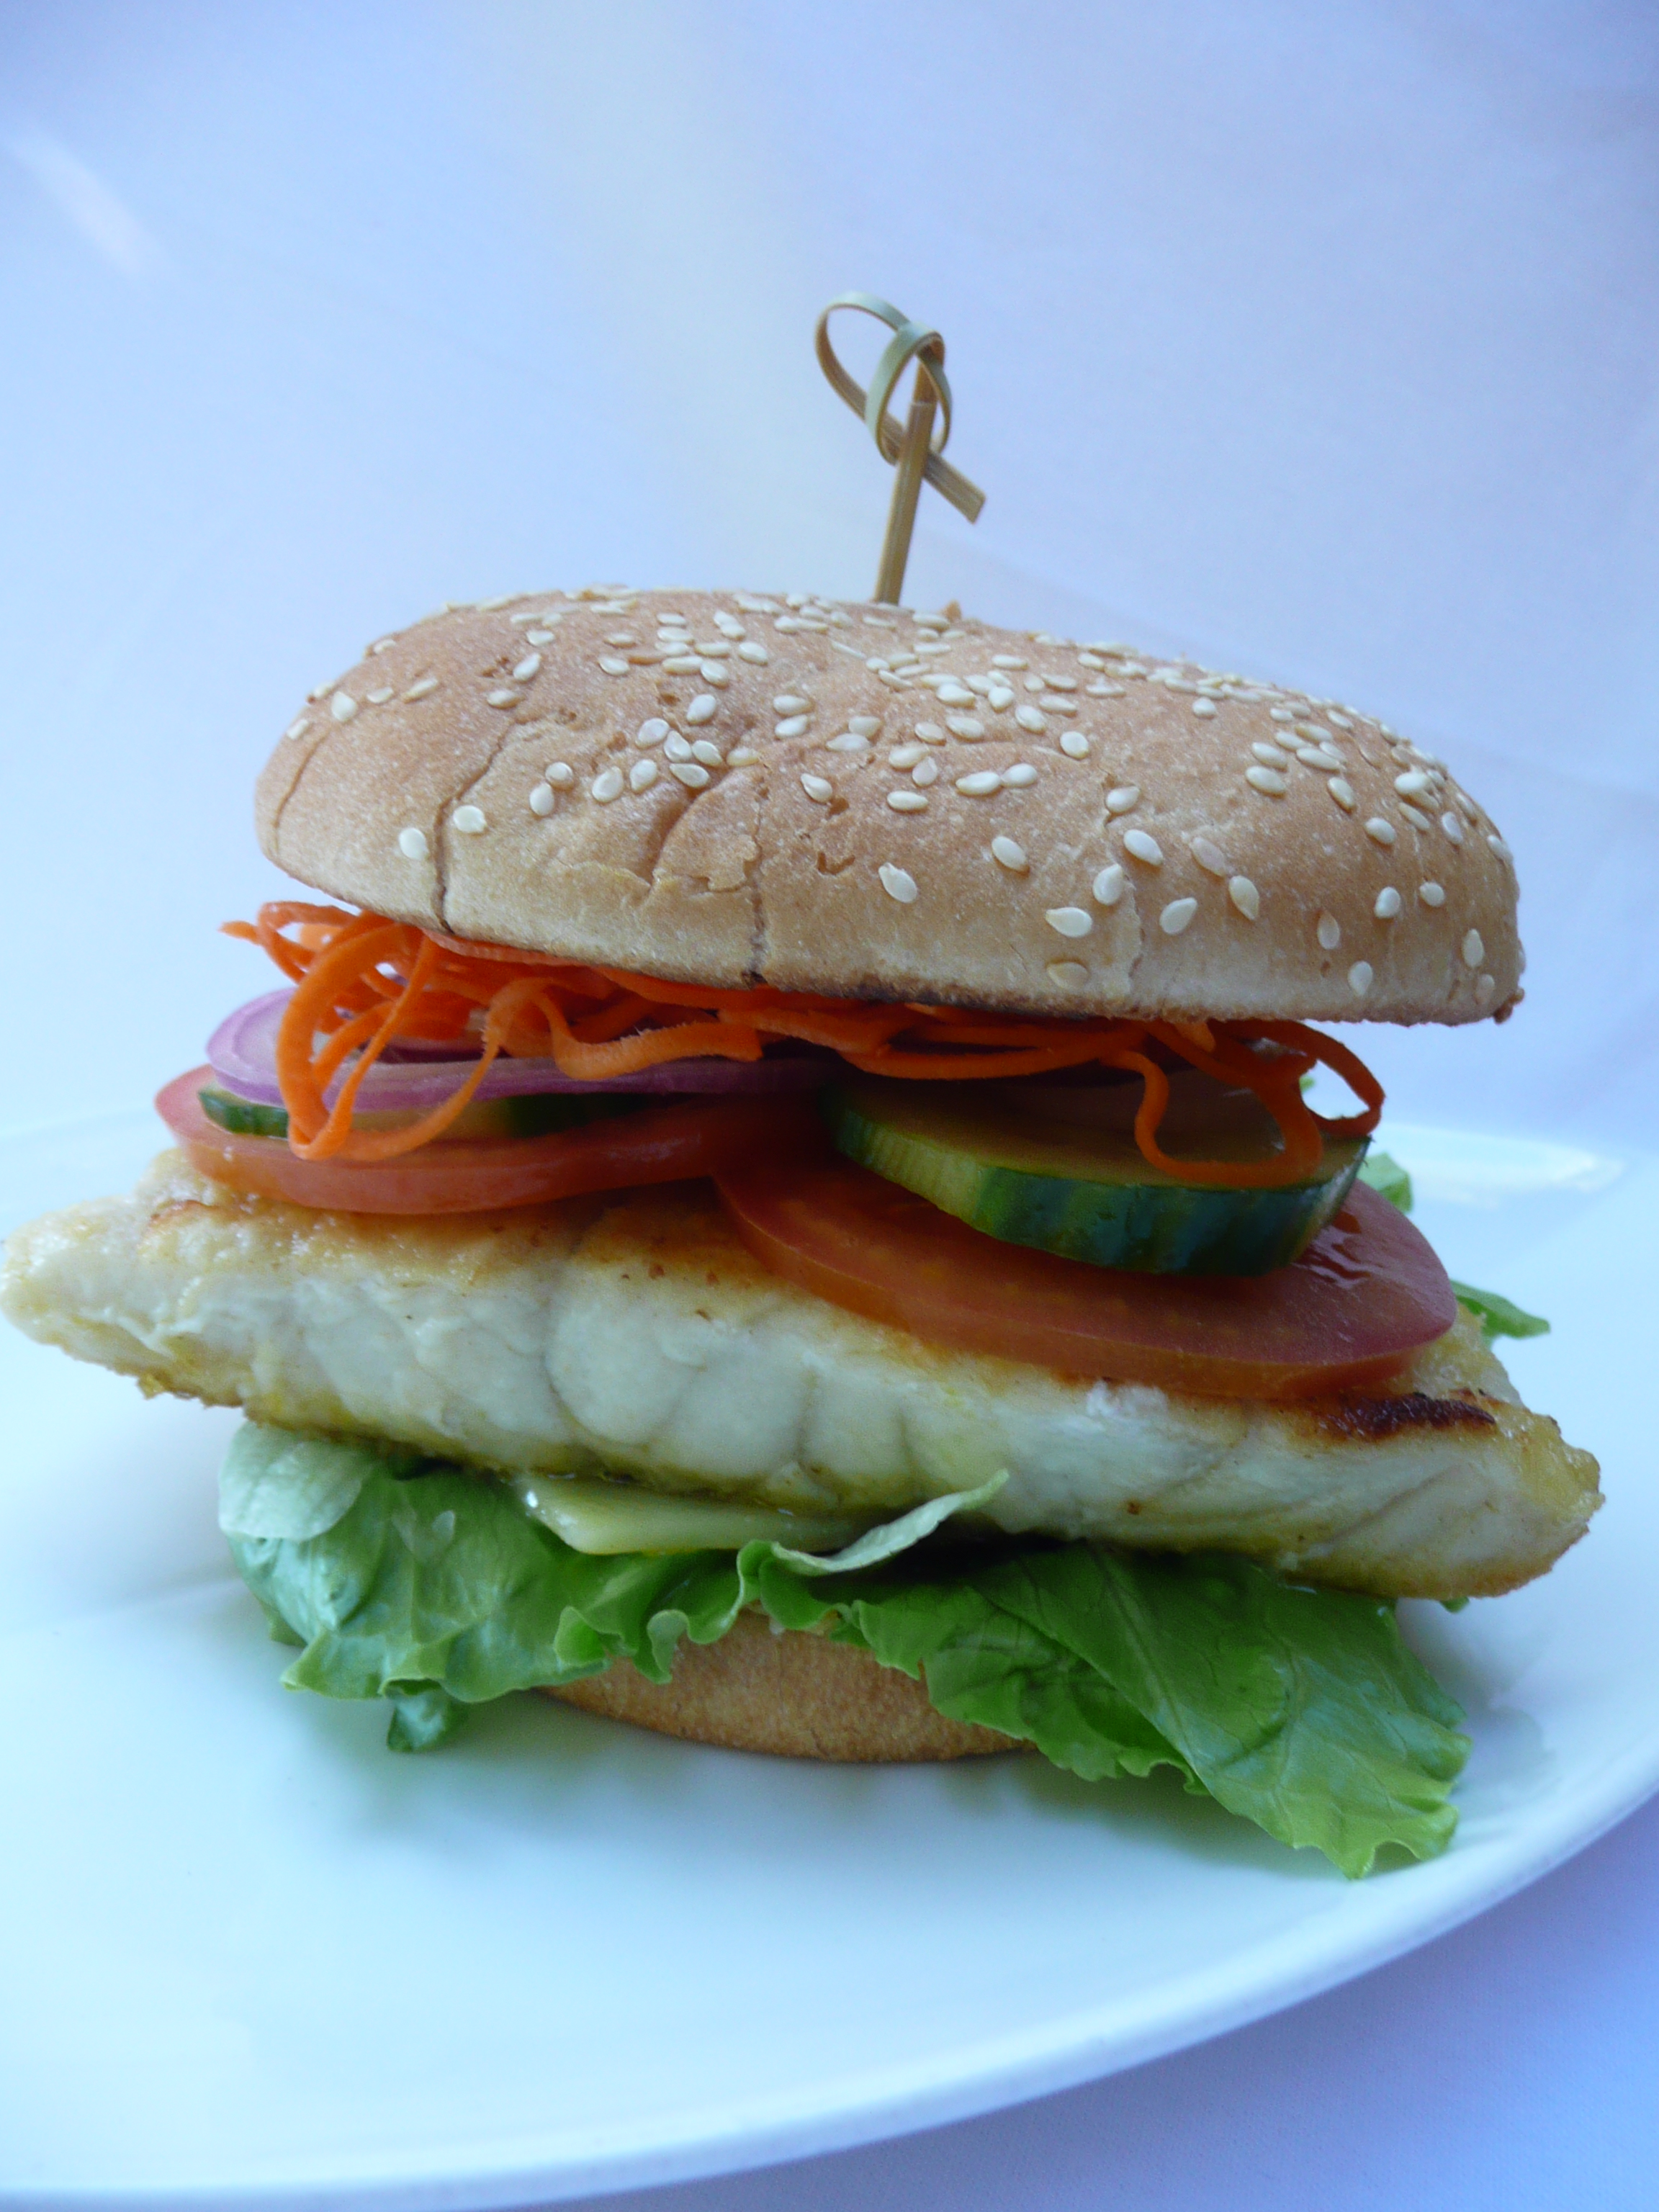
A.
x: 917, y: 451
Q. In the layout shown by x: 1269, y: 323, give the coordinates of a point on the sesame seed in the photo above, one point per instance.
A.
x: 701, y: 708
x: 790, y: 702
x: 983, y: 782
x: 728, y: 625
x: 607, y: 785
x: 1175, y: 916
x: 1341, y: 720
x: 297, y: 729
x: 709, y: 753
x: 1360, y: 978
x: 692, y: 774
x: 378, y: 696
x: 999, y: 698
x: 848, y: 742
x: 817, y: 788
x: 468, y: 820
x: 1342, y: 792
x: 1475, y: 950
x: 965, y: 725
x: 742, y: 757
x: 897, y: 883
x: 1108, y: 886
x: 652, y: 732
x: 793, y: 726
x: 342, y: 706
x: 1388, y: 904
x: 1075, y: 744
x: 953, y: 695
x: 1141, y: 845
x: 542, y: 800
x: 1100, y: 688
x: 1415, y: 816
x: 1020, y: 777
x: 863, y: 726
x: 1453, y: 827
x: 1383, y: 833
x: 1411, y: 783
x: 1032, y: 718
x: 712, y: 672
x: 1070, y: 974
x: 538, y: 637
x: 1319, y: 757
x: 529, y: 667
x: 1124, y: 799
x: 1328, y: 930
x: 907, y: 802
x: 504, y: 698
x: 1061, y: 683
x: 677, y: 747
x: 489, y: 606
x: 1008, y: 660
x: 611, y: 665
x: 1498, y: 846
x: 1069, y: 920
x: 750, y: 649
x: 1281, y: 715
x: 929, y: 733
x: 560, y: 774
x: 383, y: 645
x: 1008, y: 854
x: 1269, y: 756
x: 642, y: 776
x: 1209, y: 855
x: 1431, y: 894
x: 925, y: 772
x: 1245, y: 897
x: 1200, y: 707
x: 411, y: 843
x: 1270, y: 781
x: 1484, y: 988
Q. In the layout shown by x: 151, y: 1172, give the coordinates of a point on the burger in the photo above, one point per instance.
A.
x: 777, y: 1199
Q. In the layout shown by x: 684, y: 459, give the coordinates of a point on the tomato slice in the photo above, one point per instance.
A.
x: 662, y: 1144
x: 1367, y: 1293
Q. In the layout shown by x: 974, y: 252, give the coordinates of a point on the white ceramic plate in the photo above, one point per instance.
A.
x: 249, y: 1953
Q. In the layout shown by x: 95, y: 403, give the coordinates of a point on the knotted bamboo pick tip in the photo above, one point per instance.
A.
x: 916, y: 450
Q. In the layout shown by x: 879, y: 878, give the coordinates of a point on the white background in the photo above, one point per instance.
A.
x: 1319, y: 341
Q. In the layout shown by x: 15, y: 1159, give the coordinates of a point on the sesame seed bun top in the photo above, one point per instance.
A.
x: 864, y: 801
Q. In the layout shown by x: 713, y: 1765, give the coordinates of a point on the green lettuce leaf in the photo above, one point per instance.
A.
x: 432, y: 1589
x: 1388, y: 1178
x: 1497, y: 1316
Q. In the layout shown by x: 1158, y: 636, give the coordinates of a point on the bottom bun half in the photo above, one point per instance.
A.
x: 797, y: 1695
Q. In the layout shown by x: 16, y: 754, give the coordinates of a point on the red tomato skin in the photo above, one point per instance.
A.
x: 666, y: 1143
x: 1347, y: 1315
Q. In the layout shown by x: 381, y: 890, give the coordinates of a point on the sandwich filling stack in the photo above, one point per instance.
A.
x: 777, y: 1199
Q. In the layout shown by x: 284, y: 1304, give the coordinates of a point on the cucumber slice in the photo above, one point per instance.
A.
x: 537, y: 1115
x: 1056, y: 1166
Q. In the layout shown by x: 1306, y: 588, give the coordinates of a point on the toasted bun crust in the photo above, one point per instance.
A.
x: 798, y: 1695
x: 1065, y: 829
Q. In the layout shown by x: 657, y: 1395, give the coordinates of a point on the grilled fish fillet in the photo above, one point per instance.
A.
x: 635, y: 1334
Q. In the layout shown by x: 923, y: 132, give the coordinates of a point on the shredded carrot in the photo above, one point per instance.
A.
x: 363, y: 982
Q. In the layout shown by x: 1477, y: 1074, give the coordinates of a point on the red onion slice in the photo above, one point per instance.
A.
x: 243, y: 1053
